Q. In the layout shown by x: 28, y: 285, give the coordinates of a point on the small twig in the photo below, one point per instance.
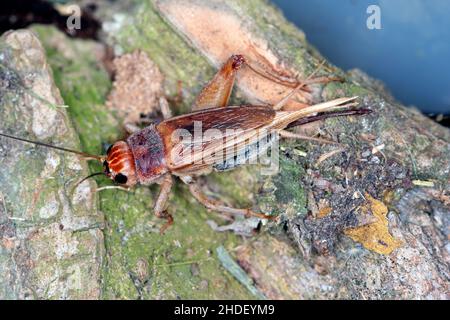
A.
x: 327, y: 155
x: 232, y: 267
x: 423, y: 183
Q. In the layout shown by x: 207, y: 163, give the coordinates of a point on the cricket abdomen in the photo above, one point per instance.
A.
x: 247, y: 155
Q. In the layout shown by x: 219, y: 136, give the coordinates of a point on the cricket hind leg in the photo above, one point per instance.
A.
x: 217, y: 92
x: 216, y: 206
x: 163, y: 196
x: 293, y: 81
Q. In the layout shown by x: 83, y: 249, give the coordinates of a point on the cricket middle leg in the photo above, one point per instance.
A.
x: 163, y: 196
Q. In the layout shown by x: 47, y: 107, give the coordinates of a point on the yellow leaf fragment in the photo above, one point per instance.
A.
x: 324, y: 212
x: 375, y: 236
x: 423, y: 183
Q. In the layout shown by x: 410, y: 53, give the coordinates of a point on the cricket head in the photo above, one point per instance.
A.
x: 119, y: 164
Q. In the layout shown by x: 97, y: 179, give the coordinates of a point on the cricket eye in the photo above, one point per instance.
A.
x: 120, y: 178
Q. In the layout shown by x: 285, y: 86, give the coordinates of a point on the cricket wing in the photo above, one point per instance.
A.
x: 200, y: 140
x: 196, y: 140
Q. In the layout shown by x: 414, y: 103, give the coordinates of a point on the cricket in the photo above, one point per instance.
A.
x: 155, y: 153
x: 224, y: 150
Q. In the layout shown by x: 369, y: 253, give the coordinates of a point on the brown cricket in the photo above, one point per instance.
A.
x: 154, y: 154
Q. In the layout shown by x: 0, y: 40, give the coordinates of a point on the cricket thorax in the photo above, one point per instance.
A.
x: 119, y: 164
x: 149, y: 156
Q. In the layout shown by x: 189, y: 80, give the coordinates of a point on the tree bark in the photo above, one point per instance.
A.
x: 51, y: 245
x: 367, y: 219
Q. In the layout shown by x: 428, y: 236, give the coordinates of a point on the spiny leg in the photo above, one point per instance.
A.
x: 292, y: 81
x: 217, y: 92
x: 216, y: 206
x: 288, y: 81
x: 164, y: 192
x: 298, y: 87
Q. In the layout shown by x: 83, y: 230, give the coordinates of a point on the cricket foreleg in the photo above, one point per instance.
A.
x: 163, y: 196
x: 216, y: 206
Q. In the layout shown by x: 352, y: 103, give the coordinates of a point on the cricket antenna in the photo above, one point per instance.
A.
x: 88, y: 177
x: 84, y: 154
